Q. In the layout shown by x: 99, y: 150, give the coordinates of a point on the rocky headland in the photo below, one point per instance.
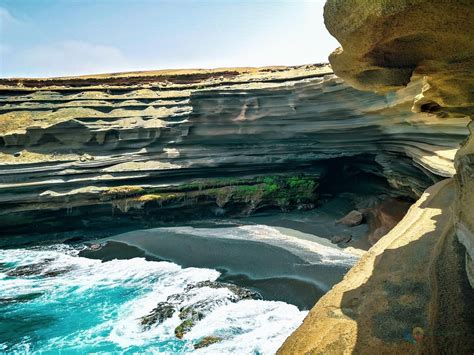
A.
x: 411, y: 293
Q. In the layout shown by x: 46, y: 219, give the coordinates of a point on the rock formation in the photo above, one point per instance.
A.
x: 409, y: 293
x: 74, y: 150
x: 353, y: 218
x: 387, y: 45
x: 397, y: 286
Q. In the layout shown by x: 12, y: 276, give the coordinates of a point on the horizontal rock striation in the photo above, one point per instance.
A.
x: 68, y: 143
x: 387, y: 45
x: 414, y: 277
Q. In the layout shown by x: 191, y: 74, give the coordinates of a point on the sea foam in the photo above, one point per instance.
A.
x: 93, y: 306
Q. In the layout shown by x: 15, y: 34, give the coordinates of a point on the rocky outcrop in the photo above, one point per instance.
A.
x: 384, y: 44
x: 193, y: 308
x: 410, y: 280
x: 409, y: 293
x: 387, y: 45
x: 82, y: 147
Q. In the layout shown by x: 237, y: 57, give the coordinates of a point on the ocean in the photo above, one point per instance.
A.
x: 52, y: 299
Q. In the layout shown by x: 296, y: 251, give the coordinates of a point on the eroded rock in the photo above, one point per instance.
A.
x: 191, y: 308
x: 160, y: 313
x: 292, y: 127
x: 352, y: 219
x: 387, y: 45
x: 206, y: 341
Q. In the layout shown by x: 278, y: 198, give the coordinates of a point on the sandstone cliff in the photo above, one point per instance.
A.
x: 386, y: 45
x: 410, y: 293
x: 397, y: 286
x: 70, y: 147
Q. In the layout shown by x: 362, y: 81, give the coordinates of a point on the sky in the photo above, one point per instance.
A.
x: 44, y: 38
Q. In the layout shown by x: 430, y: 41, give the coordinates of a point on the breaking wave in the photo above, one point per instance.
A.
x: 53, y: 299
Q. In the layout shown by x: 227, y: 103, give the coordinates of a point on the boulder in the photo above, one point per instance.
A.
x: 353, y: 218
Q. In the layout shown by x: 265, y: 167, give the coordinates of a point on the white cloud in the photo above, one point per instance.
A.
x: 73, y: 58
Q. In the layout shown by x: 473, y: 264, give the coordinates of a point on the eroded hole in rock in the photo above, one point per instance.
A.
x: 431, y: 107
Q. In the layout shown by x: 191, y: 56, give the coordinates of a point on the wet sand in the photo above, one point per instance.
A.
x: 275, y: 272
x: 290, y: 289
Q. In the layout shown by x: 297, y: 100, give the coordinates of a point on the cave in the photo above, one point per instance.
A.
x: 359, y: 178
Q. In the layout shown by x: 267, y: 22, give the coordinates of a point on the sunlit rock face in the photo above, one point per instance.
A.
x: 387, y: 44
x: 65, y: 142
x: 413, y: 280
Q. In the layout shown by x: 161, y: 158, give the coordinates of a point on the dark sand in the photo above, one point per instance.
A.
x: 302, y: 293
x: 274, y: 272
x: 319, y: 222
x: 277, y: 272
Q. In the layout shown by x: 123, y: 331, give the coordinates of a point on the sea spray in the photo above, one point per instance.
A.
x: 85, y: 305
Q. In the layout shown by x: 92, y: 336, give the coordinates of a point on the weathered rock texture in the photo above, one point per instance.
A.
x: 388, y: 44
x: 134, y: 139
x: 411, y: 278
x: 414, y: 276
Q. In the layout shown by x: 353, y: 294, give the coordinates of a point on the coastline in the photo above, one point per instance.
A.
x: 280, y: 266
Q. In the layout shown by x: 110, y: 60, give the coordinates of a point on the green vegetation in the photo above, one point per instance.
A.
x: 282, y: 191
x: 246, y: 190
x: 285, y: 191
x: 123, y: 191
x: 270, y: 185
x: 157, y: 197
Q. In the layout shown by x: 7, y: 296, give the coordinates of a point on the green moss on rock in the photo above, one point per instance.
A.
x: 184, y: 327
x: 285, y: 192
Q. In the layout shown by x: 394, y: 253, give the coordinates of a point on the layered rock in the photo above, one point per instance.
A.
x: 69, y: 143
x: 409, y: 293
x: 387, y: 45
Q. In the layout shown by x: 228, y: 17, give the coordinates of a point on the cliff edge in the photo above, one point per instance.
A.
x: 412, y: 292
x: 410, y: 281
x: 388, y: 44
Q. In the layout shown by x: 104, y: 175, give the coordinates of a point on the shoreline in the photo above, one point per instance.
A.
x: 279, y: 269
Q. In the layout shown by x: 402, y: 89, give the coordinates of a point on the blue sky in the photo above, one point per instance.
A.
x: 40, y: 38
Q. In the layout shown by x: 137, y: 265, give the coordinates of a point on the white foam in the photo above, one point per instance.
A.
x: 318, y: 251
x: 247, y: 326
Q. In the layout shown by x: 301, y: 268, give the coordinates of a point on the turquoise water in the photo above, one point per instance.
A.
x: 80, y: 305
